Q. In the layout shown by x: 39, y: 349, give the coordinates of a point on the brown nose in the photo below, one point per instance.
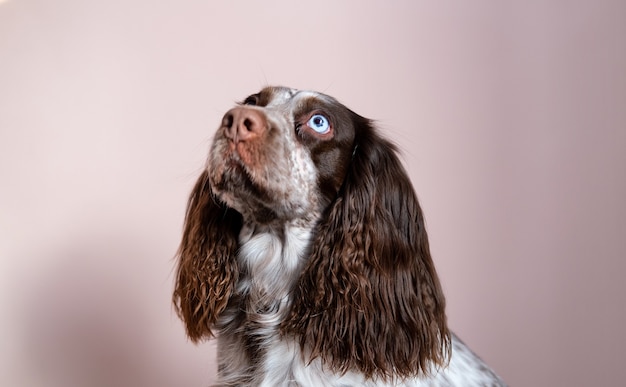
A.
x: 242, y: 124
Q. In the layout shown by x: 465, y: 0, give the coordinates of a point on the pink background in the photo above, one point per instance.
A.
x: 511, y: 118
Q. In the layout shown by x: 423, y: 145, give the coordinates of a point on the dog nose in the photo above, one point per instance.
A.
x: 242, y: 124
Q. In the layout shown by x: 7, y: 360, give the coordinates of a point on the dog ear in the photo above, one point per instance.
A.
x: 207, y: 269
x: 369, y: 297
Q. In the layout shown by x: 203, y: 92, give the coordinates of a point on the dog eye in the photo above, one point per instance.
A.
x: 251, y: 100
x: 319, y: 123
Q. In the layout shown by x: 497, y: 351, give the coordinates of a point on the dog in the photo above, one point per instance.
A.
x: 305, y: 253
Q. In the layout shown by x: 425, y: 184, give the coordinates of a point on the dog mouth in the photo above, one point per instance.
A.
x: 234, y: 177
x: 236, y: 187
x: 233, y: 166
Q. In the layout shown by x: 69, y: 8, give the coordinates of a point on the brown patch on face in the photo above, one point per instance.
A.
x: 331, y: 154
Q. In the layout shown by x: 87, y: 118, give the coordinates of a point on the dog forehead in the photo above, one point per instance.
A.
x: 289, y: 98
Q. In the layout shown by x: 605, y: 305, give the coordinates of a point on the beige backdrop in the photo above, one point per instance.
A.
x: 511, y: 118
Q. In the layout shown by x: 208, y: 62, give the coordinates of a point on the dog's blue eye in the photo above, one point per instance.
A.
x: 319, y: 123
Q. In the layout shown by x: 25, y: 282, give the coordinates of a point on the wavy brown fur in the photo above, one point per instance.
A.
x: 369, y: 297
x: 207, y: 268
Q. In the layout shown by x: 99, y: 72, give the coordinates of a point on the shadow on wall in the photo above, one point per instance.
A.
x: 91, y: 321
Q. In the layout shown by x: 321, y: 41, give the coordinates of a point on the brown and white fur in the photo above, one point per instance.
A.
x: 305, y: 253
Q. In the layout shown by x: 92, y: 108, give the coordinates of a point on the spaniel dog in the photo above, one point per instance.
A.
x: 304, y: 252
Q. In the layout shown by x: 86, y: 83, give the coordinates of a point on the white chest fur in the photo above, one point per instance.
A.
x: 271, y: 260
x: 250, y: 345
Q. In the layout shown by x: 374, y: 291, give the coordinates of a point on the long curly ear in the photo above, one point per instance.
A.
x: 207, y: 268
x: 369, y: 298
